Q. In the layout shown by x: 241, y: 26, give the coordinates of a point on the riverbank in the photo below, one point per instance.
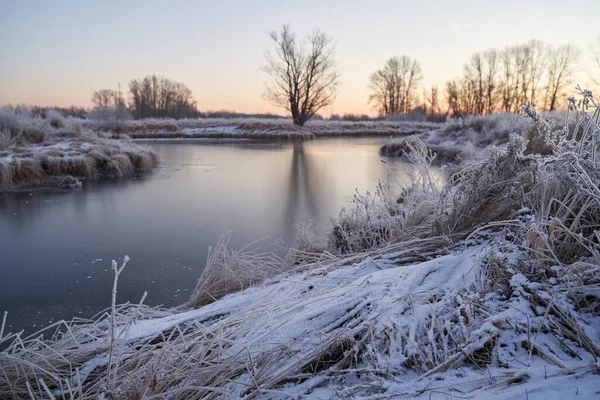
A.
x: 265, y: 129
x: 53, y: 151
x: 464, y: 140
x: 486, y: 288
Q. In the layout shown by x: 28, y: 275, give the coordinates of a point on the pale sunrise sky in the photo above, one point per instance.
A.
x: 59, y: 52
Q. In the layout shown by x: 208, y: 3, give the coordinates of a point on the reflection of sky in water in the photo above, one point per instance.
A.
x: 55, y: 248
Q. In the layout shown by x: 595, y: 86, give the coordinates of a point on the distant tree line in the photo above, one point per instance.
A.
x: 492, y: 81
x: 505, y: 80
x: 150, y: 97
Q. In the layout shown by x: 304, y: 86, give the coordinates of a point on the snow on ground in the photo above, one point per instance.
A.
x: 263, y: 128
x: 393, y: 309
x: 378, y: 328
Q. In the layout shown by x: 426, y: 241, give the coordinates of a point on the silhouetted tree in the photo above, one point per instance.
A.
x: 562, y: 62
x: 394, y: 86
x: 452, y: 98
x: 105, y: 98
x: 505, y: 80
x: 480, y: 77
x: 303, y: 77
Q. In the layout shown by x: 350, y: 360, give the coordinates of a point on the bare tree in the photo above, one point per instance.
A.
x: 303, y: 77
x: 394, y: 86
x: 538, y: 60
x: 452, y: 98
x: 473, y: 78
x: 507, y: 85
x: 491, y: 62
x: 480, y: 75
x: 562, y: 63
x: 105, y: 98
x: 433, y: 100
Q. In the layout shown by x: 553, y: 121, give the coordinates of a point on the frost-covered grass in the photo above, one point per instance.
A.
x: 485, y: 287
x: 35, y: 150
x: 262, y: 128
x: 464, y: 140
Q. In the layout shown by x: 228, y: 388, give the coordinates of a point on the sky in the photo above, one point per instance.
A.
x: 59, y: 52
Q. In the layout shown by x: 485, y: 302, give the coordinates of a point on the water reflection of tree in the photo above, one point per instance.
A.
x: 305, y: 182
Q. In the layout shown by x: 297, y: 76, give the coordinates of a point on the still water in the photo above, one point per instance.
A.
x: 56, y: 247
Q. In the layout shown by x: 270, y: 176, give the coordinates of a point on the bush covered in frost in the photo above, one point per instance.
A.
x: 36, y: 150
x: 463, y: 140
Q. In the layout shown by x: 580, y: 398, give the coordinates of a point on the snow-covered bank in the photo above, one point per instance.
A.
x: 382, y: 327
x: 459, y: 140
x: 256, y: 128
x: 54, y: 150
x: 488, y: 287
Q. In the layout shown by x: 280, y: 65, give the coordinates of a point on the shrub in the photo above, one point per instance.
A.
x: 32, y: 134
x: 55, y: 118
x: 9, y: 122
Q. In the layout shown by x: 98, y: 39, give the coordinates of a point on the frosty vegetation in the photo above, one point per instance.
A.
x: 50, y: 150
x: 464, y: 140
x: 484, y: 286
x: 257, y: 128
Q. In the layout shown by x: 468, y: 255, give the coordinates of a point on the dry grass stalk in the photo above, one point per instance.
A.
x: 228, y: 271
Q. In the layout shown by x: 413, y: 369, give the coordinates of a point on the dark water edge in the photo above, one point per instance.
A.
x: 56, y: 246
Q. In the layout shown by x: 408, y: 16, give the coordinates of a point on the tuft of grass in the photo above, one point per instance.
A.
x: 82, y: 166
x: 228, y: 271
x: 119, y: 166
x: 54, y: 166
x: 4, y: 138
x: 5, y: 173
x: 26, y: 171
x: 144, y: 160
x: 100, y: 159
